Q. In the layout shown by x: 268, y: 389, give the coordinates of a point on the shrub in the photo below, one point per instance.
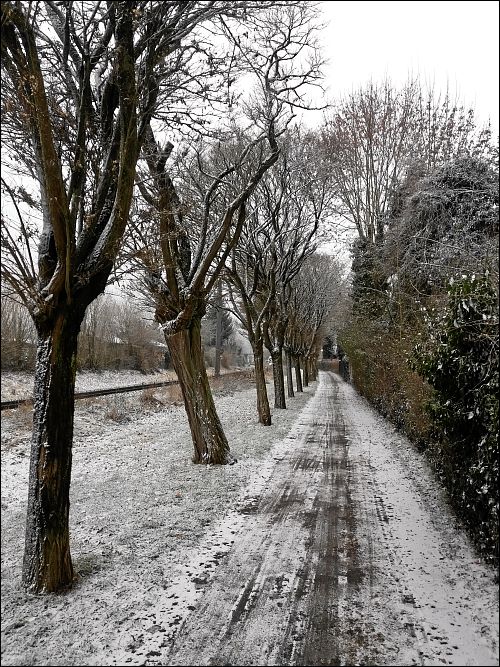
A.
x: 459, y: 359
x: 378, y: 359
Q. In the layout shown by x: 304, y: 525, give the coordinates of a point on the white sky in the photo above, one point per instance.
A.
x: 445, y: 43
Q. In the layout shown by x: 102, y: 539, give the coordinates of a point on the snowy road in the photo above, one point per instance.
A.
x: 346, y: 555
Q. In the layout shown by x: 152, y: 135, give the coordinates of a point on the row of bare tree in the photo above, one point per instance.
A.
x: 92, y: 94
x: 156, y: 144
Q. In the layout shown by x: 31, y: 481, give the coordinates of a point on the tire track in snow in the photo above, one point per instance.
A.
x: 286, y: 593
x: 331, y: 557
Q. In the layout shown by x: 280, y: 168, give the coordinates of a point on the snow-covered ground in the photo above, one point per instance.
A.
x: 138, y: 508
x: 150, y: 532
x: 17, y: 385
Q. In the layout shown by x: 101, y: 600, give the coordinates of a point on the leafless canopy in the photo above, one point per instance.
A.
x: 375, y: 134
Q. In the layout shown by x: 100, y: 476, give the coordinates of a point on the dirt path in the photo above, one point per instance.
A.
x: 345, y: 556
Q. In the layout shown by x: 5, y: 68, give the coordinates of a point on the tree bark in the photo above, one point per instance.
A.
x: 218, y: 331
x: 263, y: 408
x: 306, y: 371
x: 298, y: 376
x: 289, y: 378
x: 209, y: 441
x: 279, y: 379
x: 47, y: 565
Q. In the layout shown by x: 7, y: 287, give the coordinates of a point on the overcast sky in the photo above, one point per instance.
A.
x: 454, y: 43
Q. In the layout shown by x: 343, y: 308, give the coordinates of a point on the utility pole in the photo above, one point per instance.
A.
x: 218, y: 330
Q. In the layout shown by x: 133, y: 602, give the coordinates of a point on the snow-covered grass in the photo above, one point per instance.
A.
x: 19, y: 384
x: 138, y: 508
x: 148, y: 529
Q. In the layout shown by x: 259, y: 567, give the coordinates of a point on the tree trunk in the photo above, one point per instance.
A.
x: 260, y: 382
x: 298, y: 377
x: 47, y: 565
x: 209, y: 440
x: 289, y: 379
x: 279, y: 379
x: 306, y: 371
x: 218, y: 331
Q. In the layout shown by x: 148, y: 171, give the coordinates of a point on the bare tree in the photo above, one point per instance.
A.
x: 18, y: 335
x: 179, y: 281
x: 313, y: 307
x: 281, y: 233
x: 251, y: 295
x: 95, y: 316
x: 77, y: 119
x: 295, y: 204
x: 217, y: 327
x: 374, y: 135
x: 199, y: 221
x: 98, y: 334
x: 259, y: 268
x: 69, y: 275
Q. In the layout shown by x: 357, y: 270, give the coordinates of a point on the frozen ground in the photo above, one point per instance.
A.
x: 17, y: 385
x: 139, y: 506
x: 327, y: 543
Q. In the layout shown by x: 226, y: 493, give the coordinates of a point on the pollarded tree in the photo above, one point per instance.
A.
x: 296, y: 204
x: 76, y: 119
x: 198, y: 210
x: 275, y: 239
x: 179, y: 282
x: 49, y: 84
x: 281, y: 233
x: 313, y: 305
x: 323, y: 286
x: 250, y: 277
